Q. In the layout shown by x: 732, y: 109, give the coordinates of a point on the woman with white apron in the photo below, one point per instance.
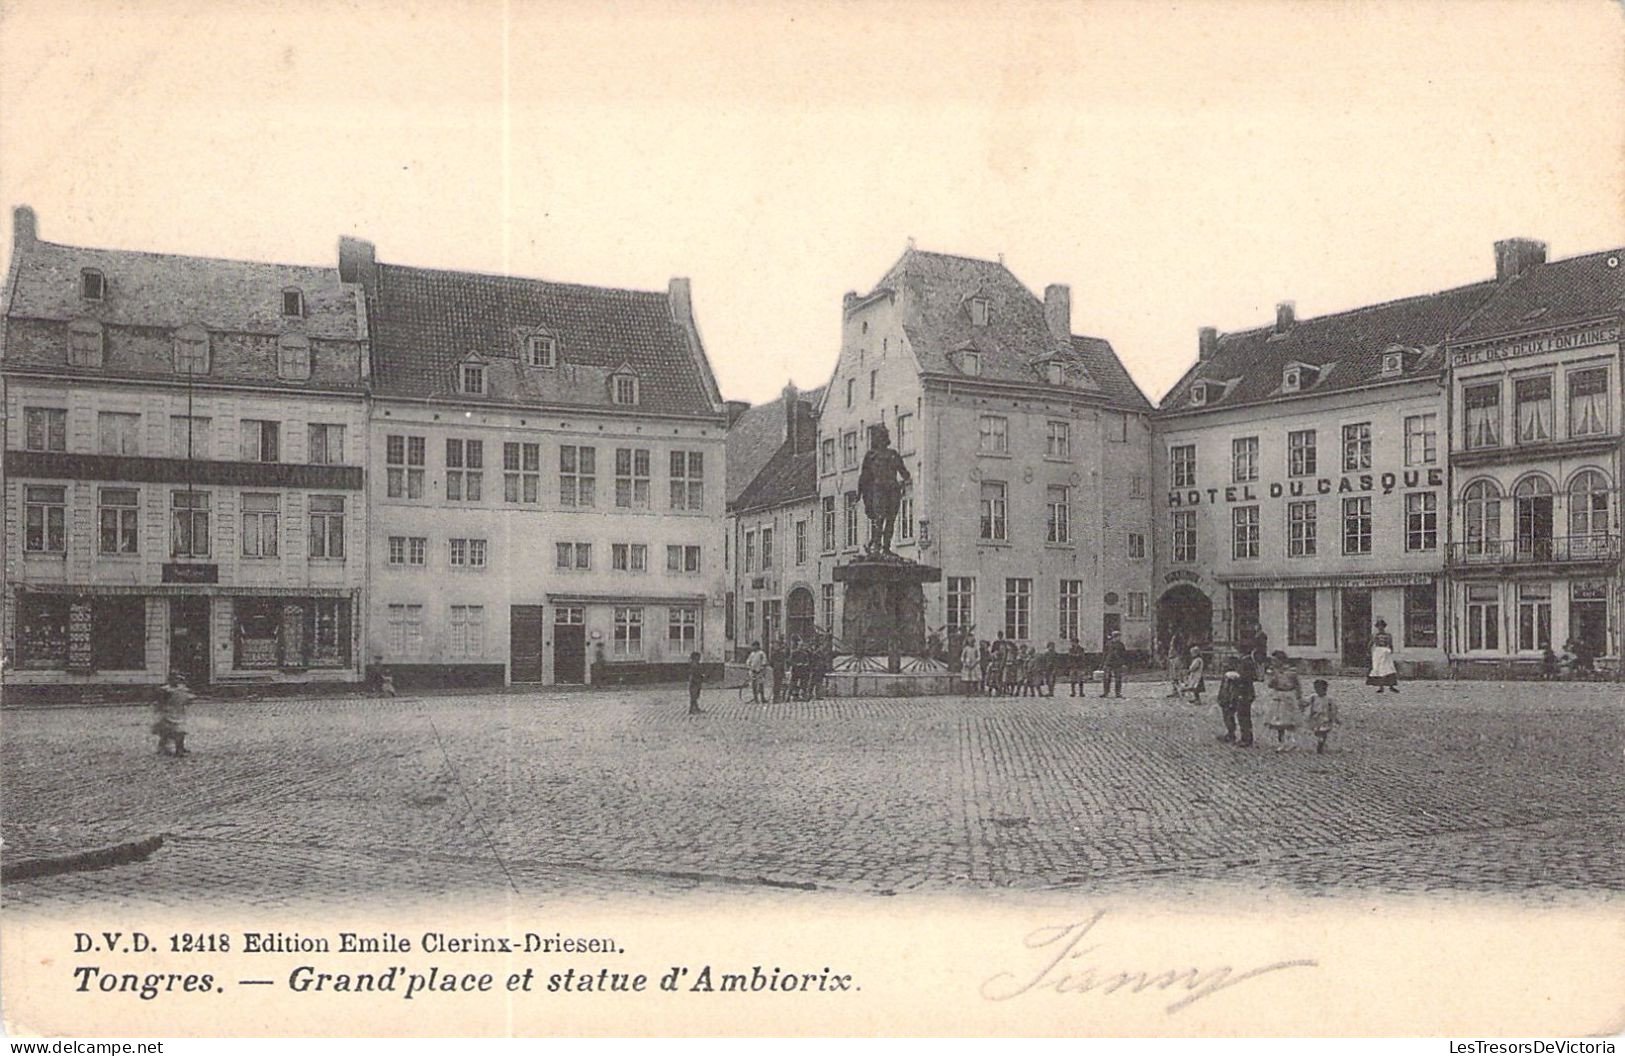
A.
x: 1382, y: 675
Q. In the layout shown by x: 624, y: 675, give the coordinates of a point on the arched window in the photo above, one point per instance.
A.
x: 1588, y: 509
x: 1481, y: 509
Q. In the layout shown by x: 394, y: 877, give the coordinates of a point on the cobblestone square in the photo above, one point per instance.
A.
x: 1505, y: 789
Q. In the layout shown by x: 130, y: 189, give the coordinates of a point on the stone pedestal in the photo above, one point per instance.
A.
x: 883, y: 610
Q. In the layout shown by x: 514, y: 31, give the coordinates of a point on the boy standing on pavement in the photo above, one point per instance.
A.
x: 696, y: 679
x: 775, y: 662
x: 1112, y: 665
x: 756, y: 664
x: 1052, y: 667
x: 1078, y: 661
x: 171, y: 704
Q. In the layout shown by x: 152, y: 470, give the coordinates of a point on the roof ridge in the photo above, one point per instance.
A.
x: 1392, y: 303
x: 158, y: 254
x: 465, y: 273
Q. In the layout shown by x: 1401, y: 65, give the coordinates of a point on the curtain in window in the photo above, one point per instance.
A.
x: 1588, y: 402
x: 1534, y: 410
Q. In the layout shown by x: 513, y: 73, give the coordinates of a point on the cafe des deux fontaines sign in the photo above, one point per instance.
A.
x: 1309, y: 487
x: 1491, y: 351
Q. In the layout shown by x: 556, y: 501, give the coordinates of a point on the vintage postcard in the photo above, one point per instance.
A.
x: 912, y: 518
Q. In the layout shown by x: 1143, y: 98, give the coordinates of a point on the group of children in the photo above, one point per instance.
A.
x: 808, y: 662
x: 1286, y: 708
x: 1005, y: 668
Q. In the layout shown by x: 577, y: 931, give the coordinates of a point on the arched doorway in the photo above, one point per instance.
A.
x: 800, y: 622
x: 1187, y: 612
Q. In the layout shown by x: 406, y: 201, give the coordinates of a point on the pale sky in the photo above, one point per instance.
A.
x: 1178, y: 165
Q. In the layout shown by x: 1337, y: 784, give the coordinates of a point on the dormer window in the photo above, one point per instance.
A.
x: 92, y: 285
x: 542, y: 350
x: 1291, y: 379
x: 293, y: 357
x: 293, y: 303
x: 1199, y: 394
x: 623, y: 389
x: 1393, y: 364
x: 191, y: 350
x: 978, y: 311
x: 471, y: 379
x: 970, y: 363
x: 1055, y: 372
x: 85, y: 343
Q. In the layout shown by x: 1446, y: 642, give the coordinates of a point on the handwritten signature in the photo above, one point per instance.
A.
x: 1061, y: 971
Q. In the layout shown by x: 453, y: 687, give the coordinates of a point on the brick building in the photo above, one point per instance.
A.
x: 547, y: 478
x: 184, y: 458
x: 1027, y: 444
x: 773, y: 523
x: 1536, y: 463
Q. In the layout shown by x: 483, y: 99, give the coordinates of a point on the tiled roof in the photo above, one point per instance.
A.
x: 755, y: 437
x: 789, y: 476
x: 1551, y: 295
x: 426, y: 322
x: 1347, y: 348
x: 1103, y: 365
x: 168, y: 291
x: 1016, y: 338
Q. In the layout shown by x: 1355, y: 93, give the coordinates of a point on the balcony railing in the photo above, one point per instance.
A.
x: 1536, y: 551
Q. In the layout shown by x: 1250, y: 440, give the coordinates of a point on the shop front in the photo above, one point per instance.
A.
x: 1326, y: 622
x: 67, y: 633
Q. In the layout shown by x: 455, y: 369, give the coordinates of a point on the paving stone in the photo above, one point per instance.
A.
x: 1510, y: 788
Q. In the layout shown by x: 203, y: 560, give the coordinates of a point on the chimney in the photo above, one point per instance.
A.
x: 681, y: 295
x: 1514, y: 256
x: 792, y: 419
x: 1284, y: 317
x: 358, y: 260
x: 1207, y: 343
x: 735, y: 409
x: 24, y: 226
x: 1058, y: 310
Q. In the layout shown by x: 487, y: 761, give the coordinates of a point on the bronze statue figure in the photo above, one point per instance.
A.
x: 881, y: 483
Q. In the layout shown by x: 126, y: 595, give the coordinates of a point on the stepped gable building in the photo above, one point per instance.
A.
x: 1027, y: 445
x: 773, y: 524
x: 184, y: 461
x: 549, y: 466
x: 1536, y: 463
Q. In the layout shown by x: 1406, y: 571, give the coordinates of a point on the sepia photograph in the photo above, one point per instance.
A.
x: 988, y: 519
